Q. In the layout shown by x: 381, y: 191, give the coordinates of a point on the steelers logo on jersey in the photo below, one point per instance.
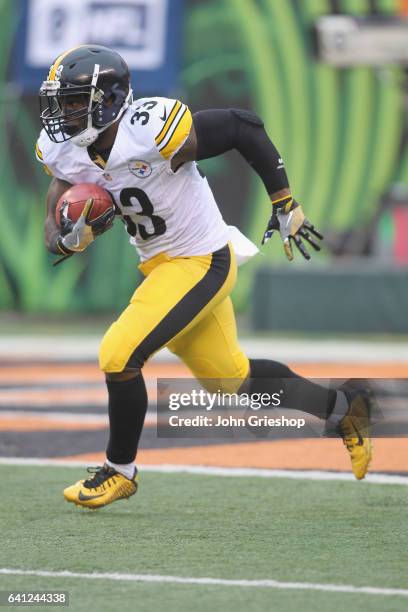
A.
x: 140, y: 168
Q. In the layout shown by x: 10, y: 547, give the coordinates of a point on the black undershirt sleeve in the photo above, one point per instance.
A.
x: 221, y: 130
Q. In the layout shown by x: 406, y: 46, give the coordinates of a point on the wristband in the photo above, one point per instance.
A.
x: 283, y: 204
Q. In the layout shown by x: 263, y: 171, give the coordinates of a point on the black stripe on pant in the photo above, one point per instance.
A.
x: 186, y: 309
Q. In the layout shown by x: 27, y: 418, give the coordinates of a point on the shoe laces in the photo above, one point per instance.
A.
x: 350, y: 440
x: 100, y: 474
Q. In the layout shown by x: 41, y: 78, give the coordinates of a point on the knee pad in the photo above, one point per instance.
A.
x: 116, y: 353
x: 108, y: 361
x: 227, y: 381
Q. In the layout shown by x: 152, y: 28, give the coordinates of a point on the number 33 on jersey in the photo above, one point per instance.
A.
x: 164, y: 211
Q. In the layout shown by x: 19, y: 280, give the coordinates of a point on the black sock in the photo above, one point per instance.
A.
x: 298, y: 393
x: 127, y: 410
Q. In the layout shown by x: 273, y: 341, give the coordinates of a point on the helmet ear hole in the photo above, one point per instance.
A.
x: 109, y: 100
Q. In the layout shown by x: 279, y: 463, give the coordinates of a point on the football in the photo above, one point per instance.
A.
x: 77, y: 195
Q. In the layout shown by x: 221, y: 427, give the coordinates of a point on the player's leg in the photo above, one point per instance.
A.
x: 174, y: 297
x: 297, y: 393
x: 346, y: 410
x: 212, y: 353
x: 211, y: 350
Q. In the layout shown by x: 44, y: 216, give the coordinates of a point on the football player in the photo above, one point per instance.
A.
x: 144, y: 152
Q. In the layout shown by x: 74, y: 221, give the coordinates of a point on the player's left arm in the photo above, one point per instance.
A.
x: 217, y: 131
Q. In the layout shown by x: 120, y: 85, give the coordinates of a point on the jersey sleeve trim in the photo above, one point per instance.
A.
x: 40, y: 157
x: 47, y: 170
x: 166, y: 127
x: 38, y: 153
x: 175, y: 131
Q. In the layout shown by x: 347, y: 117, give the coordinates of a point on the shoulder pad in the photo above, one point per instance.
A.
x: 247, y: 116
x: 176, y: 122
x: 168, y: 121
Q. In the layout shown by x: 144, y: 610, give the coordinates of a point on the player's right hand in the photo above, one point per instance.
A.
x: 76, y: 237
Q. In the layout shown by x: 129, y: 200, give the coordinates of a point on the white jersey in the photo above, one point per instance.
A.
x: 165, y: 211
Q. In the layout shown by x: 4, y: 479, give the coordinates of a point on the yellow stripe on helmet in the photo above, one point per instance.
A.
x: 56, y: 64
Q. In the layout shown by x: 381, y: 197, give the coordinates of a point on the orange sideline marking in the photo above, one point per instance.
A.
x: 389, y: 455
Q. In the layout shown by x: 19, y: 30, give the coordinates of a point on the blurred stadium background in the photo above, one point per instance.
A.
x: 334, y: 97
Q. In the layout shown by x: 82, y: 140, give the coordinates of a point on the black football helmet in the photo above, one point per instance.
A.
x: 87, y: 89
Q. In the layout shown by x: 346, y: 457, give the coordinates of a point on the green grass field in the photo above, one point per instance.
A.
x: 207, y: 526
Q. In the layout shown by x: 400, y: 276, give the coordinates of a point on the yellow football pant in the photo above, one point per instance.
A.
x: 184, y: 304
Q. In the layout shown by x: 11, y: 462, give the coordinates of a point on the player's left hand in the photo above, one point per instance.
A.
x: 78, y: 236
x: 293, y: 227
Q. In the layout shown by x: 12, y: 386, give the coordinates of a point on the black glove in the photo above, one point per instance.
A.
x: 292, y: 226
x: 103, y: 223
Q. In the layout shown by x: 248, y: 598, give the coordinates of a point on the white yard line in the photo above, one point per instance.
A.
x: 333, y: 349
x: 386, y: 479
x: 65, y: 417
x: 272, y: 584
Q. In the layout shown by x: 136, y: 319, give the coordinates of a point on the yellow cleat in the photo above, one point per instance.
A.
x: 105, y: 487
x: 355, y: 429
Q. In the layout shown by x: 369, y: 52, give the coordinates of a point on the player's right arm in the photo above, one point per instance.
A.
x: 68, y: 237
x: 51, y: 229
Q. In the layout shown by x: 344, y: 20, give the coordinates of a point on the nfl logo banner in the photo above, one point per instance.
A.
x: 147, y: 33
